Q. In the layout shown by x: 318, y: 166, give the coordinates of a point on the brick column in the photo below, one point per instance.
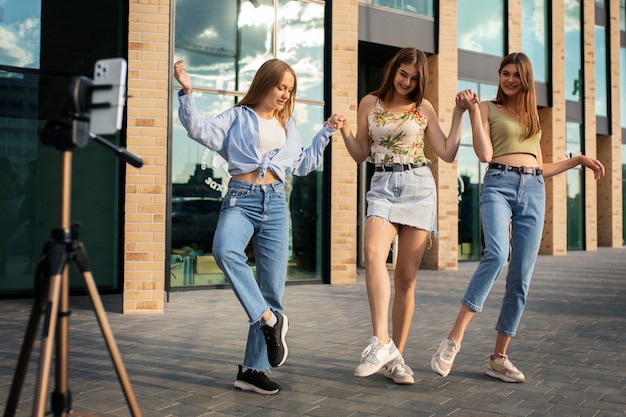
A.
x: 515, y: 26
x: 553, y: 140
x: 146, y: 187
x: 441, y: 91
x: 589, y: 115
x: 609, y: 148
x: 344, y: 100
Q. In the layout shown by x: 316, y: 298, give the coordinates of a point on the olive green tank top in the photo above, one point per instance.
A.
x: 507, y: 134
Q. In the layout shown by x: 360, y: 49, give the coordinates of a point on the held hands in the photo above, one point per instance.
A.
x: 180, y: 73
x: 336, y: 121
x: 465, y: 100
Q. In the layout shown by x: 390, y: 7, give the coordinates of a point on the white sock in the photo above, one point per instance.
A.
x: 272, y: 321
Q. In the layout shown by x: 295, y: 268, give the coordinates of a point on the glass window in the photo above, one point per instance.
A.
x: 575, y: 187
x: 481, y: 29
x: 20, y: 30
x: 223, y: 47
x: 535, y: 35
x: 37, y: 63
x: 622, y: 15
x: 601, y: 72
x: 199, y: 180
x: 301, y: 43
x: 573, y: 51
x: 421, y: 7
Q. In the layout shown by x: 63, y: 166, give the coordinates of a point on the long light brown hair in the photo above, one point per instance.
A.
x: 527, y: 98
x: 408, y: 56
x: 268, y: 76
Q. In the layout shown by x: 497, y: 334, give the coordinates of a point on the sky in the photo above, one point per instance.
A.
x: 20, y: 28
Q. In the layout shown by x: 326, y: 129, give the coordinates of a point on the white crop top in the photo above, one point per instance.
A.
x: 271, y: 134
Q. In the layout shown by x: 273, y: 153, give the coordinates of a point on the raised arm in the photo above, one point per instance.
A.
x: 446, y: 147
x: 481, y: 139
x: 180, y: 73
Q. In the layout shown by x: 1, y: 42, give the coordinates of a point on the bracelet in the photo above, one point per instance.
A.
x: 456, y: 111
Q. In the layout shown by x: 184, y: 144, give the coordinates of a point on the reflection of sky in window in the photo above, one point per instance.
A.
x: 206, y: 38
x: 574, y: 140
x: 20, y: 28
x: 534, y: 36
x: 572, y: 50
x: 481, y: 28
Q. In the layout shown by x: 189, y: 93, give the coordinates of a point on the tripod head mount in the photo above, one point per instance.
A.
x: 65, y: 135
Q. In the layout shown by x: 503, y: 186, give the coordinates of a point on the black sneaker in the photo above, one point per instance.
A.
x: 275, y: 340
x: 256, y: 381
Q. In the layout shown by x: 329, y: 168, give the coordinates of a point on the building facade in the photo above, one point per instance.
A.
x: 148, y: 230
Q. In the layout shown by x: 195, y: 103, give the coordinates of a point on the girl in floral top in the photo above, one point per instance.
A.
x: 393, y: 123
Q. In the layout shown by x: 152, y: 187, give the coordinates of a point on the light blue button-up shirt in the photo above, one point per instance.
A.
x: 234, y: 135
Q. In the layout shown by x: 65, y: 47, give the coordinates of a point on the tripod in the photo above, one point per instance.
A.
x: 51, y: 284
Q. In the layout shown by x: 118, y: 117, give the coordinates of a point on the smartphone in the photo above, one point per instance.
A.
x: 108, y: 97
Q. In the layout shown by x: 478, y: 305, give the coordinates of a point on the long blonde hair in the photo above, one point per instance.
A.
x: 527, y: 99
x: 268, y: 76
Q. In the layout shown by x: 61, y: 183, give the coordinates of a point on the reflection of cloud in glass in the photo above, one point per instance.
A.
x: 19, y: 43
x: 251, y: 16
x: 482, y: 35
x: 572, y: 15
x: 537, y: 26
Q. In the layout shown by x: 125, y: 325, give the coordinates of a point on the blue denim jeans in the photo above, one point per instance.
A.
x: 257, y: 213
x: 512, y: 209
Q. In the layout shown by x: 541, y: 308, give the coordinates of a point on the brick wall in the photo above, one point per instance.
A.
x: 610, y: 227
x: 147, y: 131
x: 147, y: 128
x: 590, y: 129
x: 553, y: 142
x: 344, y: 100
x: 441, y: 92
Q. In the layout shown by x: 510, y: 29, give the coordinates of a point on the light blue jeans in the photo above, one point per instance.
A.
x: 256, y: 212
x: 516, y: 200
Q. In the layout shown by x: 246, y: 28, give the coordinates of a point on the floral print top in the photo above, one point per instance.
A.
x: 396, y: 138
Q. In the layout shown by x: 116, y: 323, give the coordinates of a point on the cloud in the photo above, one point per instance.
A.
x: 19, y: 43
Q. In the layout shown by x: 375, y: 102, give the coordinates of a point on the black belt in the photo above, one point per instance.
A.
x: 521, y: 170
x: 397, y: 167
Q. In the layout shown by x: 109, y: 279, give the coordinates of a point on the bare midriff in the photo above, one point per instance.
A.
x: 253, y: 177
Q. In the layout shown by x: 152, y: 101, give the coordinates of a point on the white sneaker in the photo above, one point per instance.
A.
x: 375, y: 356
x: 504, y: 369
x: 399, y: 372
x: 444, y: 358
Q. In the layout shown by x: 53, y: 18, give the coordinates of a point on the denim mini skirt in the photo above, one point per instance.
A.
x: 406, y: 197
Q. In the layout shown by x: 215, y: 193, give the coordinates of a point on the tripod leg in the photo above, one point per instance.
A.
x: 61, y: 396
x: 27, y: 345
x: 81, y: 260
x: 47, y: 340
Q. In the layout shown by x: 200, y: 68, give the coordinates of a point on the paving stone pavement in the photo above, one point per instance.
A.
x: 570, y: 345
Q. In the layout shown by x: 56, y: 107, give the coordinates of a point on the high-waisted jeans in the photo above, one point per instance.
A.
x: 256, y: 212
x: 512, y: 211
